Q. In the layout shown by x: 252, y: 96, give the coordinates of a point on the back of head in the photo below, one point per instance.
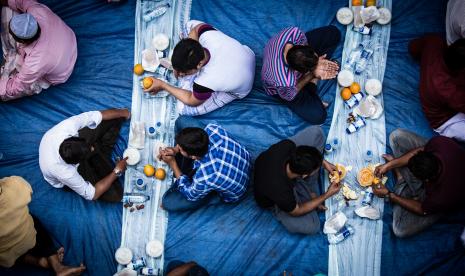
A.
x: 302, y: 58
x: 454, y: 56
x: 424, y: 165
x: 193, y: 140
x: 24, y: 28
x: 305, y: 160
x: 74, y: 149
x: 197, y: 270
x: 187, y: 55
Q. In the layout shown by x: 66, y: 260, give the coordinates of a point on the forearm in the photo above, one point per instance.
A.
x: 309, y: 206
x: 111, y: 114
x: 176, y: 170
x: 403, y: 160
x: 306, y: 79
x: 185, y: 96
x: 411, y: 205
x: 103, y: 185
x: 182, y: 270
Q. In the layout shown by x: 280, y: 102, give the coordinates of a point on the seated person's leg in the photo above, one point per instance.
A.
x: 406, y: 223
x: 307, y: 224
x: 401, y: 142
x: 174, y: 201
x: 104, y: 136
x: 308, y: 105
x: 217, y: 100
x: 184, y: 121
x: 310, y: 136
x: 324, y: 40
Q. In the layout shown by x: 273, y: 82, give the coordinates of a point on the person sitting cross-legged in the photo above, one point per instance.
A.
x: 429, y: 183
x: 76, y: 153
x: 286, y: 180
x: 208, y: 165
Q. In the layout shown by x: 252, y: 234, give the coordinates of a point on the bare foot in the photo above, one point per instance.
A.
x: 325, y: 104
x: 399, y: 176
x: 70, y: 271
x: 61, y: 254
x: 43, y: 262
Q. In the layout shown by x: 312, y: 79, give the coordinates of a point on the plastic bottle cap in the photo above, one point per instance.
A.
x: 158, y: 124
x: 369, y: 152
x: 151, y: 129
x: 140, y: 181
x: 335, y: 141
x: 327, y: 147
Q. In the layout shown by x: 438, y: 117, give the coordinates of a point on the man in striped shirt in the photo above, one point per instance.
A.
x: 208, y: 166
x: 293, y: 62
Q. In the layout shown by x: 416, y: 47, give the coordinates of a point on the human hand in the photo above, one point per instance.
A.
x: 381, y: 170
x: 122, y: 164
x: 329, y: 166
x: 167, y: 155
x: 380, y: 190
x: 333, y: 188
x: 326, y: 69
x: 157, y: 86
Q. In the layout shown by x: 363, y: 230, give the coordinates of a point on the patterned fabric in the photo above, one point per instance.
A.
x: 277, y: 77
x: 224, y: 169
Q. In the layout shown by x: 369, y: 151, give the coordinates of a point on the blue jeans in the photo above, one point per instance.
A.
x: 174, y: 201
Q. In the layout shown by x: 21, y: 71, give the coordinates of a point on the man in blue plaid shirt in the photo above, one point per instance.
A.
x: 208, y: 166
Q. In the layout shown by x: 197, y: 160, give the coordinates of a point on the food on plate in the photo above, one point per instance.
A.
x: 348, y: 193
x: 365, y: 177
x: 345, y: 16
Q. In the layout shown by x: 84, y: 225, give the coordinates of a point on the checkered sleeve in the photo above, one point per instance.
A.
x: 197, y: 187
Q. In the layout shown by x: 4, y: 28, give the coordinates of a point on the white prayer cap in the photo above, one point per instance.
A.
x: 24, y: 26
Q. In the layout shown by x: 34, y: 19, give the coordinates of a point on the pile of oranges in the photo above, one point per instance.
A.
x: 150, y: 171
x: 360, y: 3
x: 347, y: 92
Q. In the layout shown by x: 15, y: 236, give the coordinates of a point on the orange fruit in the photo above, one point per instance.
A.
x: 376, y: 180
x: 365, y: 177
x: 160, y: 174
x: 147, y: 82
x: 371, y: 3
x: 346, y: 93
x: 149, y: 170
x: 354, y: 88
x: 357, y: 2
x: 138, y: 69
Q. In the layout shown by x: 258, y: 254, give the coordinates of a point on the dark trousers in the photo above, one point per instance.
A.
x: 307, y: 104
x: 98, y: 163
x: 44, y: 245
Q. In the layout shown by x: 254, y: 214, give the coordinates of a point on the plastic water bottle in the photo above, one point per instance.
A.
x: 328, y: 148
x: 135, y: 198
x: 335, y: 144
x: 341, y: 235
x: 354, y: 100
x: 355, y: 126
x: 363, y: 61
x: 158, y: 11
x: 368, y: 197
x: 162, y: 71
x: 151, y: 132
x: 140, y: 184
x: 353, y: 57
x: 150, y: 271
x: 365, y: 30
x: 137, y: 264
x: 368, y: 156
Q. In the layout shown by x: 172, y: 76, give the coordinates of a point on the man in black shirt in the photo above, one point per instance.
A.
x: 286, y: 180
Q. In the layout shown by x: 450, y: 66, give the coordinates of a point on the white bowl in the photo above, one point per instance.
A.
x: 150, y: 60
x: 373, y: 87
x: 123, y: 255
x: 385, y: 16
x: 154, y: 248
x: 345, y: 78
x: 133, y: 156
x: 345, y: 16
x: 160, y: 42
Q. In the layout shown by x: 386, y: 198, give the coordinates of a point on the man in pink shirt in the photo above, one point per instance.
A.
x: 44, y: 50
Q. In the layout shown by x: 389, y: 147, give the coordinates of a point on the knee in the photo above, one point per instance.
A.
x: 308, y: 227
x: 334, y: 32
x: 169, y: 201
x: 395, y: 136
x: 320, y: 117
x: 400, y: 232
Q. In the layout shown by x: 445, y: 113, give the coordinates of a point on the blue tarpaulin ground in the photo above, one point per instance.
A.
x: 238, y: 239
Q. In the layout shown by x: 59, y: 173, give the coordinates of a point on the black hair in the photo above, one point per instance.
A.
x: 302, y: 58
x: 454, y: 56
x: 74, y: 149
x: 424, y: 165
x: 187, y: 55
x: 305, y: 160
x: 193, y: 140
x: 25, y: 41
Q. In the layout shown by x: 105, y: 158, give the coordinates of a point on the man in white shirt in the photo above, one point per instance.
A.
x: 77, y: 153
x: 215, y: 69
x: 455, y: 20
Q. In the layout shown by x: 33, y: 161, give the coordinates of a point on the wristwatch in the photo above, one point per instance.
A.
x: 118, y: 172
x: 388, y: 196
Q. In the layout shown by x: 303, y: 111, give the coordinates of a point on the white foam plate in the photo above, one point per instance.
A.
x: 345, y: 16
x: 133, y: 156
x: 160, y: 42
x: 385, y: 16
x: 154, y: 248
x: 373, y: 87
x: 123, y: 255
x: 345, y: 78
x: 150, y: 60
